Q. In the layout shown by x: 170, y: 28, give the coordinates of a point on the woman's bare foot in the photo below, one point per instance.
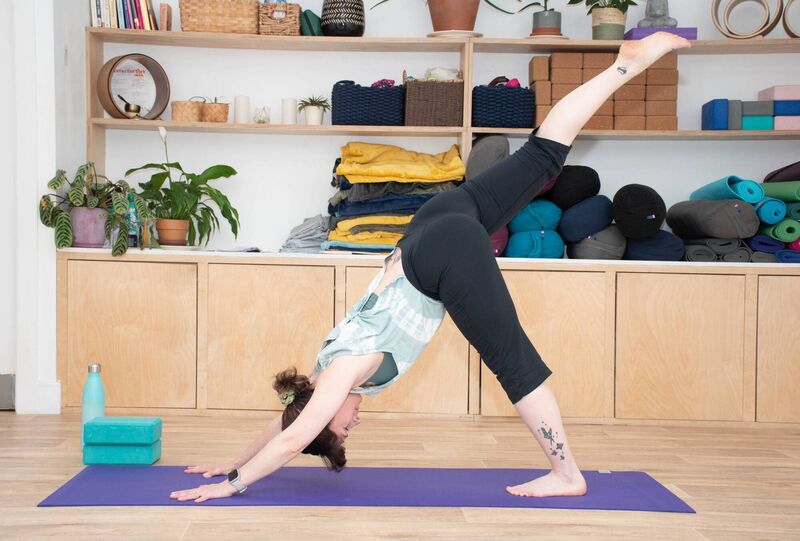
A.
x: 552, y: 484
x: 636, y: 56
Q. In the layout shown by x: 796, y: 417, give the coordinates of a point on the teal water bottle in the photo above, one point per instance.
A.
x: 94, y: 397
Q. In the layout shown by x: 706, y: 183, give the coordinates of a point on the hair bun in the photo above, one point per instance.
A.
x: 289, y: 381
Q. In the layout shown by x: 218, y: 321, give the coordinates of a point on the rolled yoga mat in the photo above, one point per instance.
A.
x: 771, y: 210
x: 730, y: 187
x: 787, y: 173
x: 368, y: 487
x: 699, y: 252
x: 788, y: 256
x: 788, y: 191
x: 794, y: 246
x: 766, y: 244
x: 787, y: 230
x: 739, y: 255
x: 763, y: 257
x: 793, y: 211
x: 720, y: 247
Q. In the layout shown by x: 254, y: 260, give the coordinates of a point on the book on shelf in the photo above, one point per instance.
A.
x: 125, y: 14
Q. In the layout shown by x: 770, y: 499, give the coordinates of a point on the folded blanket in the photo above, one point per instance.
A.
x: 663, y: 246
x: 787, y: 230
x: 338, y: 245
x: 763, y: 257
x: 720, y: 247
x: 367, y: 237
x: 740, y: 255
x: 535, y: 244
x: 586, y: 218
x: 788, y: 191
x: 540, y: 214
x: 788, y: 256
x: 405, y: 204
x: 724, y: 219
x: 367, y: 162
x: 764, y: 243
x: 609, y: 243
x: 373, y: 219
x: 793, y: 211
x: 771, y: 210
x: 378, y: 227
x: 699, y: 252
x: 728, y: 188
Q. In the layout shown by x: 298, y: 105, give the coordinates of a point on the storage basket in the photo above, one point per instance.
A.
x: 215, y: 112
x: 503, y: 107
x: 272, y: 25
x: 434, y: 103
x: 232, y: 16
x: 187, y: 111
x: 357, y: 105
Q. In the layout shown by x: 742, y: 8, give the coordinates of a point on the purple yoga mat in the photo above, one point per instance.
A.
x: 374, y: 487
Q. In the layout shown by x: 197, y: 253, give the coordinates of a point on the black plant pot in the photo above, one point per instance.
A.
x: 343, y: 17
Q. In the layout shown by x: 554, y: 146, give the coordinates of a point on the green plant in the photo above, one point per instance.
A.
x: 314, y: 101
x: 621, y: 5
x: 491, y: 3
x: 189, y: 197
x: 88, y: 189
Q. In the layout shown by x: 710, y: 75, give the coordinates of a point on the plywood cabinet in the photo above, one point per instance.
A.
x: 565, y: 315
x: 778, y: 399
x: 680, y: 346
x: 439, y: 380
x: 263, y: 319
x: 139, y: 321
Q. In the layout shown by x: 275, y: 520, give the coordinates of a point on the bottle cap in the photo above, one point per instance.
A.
x: 94, y: 368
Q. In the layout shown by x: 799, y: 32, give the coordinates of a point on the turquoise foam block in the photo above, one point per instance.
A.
x: 758, y: 122
x: 122, y: 454
x: 122, y: 430
x: 729, y: 188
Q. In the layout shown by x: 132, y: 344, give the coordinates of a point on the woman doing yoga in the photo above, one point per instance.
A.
x: 443, y: 262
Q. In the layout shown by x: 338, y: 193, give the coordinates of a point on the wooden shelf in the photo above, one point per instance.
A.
x: 683, y: 135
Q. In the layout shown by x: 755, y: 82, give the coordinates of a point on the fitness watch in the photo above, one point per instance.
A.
x: 233, y: 479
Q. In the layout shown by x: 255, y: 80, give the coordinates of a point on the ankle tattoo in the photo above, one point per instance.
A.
x: 556, y: 448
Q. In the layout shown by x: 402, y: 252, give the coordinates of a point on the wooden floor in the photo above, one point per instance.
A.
x: 744, y: 483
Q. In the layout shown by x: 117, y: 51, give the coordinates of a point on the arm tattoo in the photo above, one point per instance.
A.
x: 556, y: 448
x: 622, y: 70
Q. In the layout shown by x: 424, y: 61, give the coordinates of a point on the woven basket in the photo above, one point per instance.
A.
x: 503, y: 107
x: 187, y: 111
x: 215, y: 112
x: 357, y: 105
x: 434, y: 103
x: 231, y: 16
x: 269, y: 24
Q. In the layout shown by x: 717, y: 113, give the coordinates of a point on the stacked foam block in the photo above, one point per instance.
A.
x: 777, y: 108
x: 649, y: 101
x: 122, y: 440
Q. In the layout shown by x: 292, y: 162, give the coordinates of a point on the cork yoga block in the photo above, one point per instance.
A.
x: 543, y: 91
x: 667, y: 62
x: 629, y: 122
x: 591, y: 73
x: 662, y: 77
x: 661, y: 93
x: 600, y: 122
x: 539, y: 68
x: 566, y: 60
x: 566, y: 75
x: 629, y: 108
x: 607, y: 109
x: 561, y: 90
x: 661, y: 123
x: 541, y: 113
x: 599, y: 61
x: 661, y: 108
x: 630, y: 92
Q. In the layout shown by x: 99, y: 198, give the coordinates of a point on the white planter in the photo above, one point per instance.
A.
x: 314, y: 115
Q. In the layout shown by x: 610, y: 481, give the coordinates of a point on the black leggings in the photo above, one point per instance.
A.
x: 448, y: 256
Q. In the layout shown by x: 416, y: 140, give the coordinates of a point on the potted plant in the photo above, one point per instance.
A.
x: 448, y: 15
x: 89, y: 209
x: 546, y: 22
x: 314, y: 108
x: 608, y: 17
x: 182, y: 202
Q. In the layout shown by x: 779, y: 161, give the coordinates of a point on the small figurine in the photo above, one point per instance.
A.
x: 657, y: 15
x: 262, y: 116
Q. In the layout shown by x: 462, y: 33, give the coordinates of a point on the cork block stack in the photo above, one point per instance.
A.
x: 649, y: 101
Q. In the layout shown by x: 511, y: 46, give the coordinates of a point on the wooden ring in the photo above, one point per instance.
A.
x: 159, y: 78
x: 790, y: 30
x: 767, y: 24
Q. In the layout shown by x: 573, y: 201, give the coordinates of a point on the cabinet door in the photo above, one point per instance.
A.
x: 680, y: 346
x: 139, y: 321
x: 564, y: 315
x: 263, y: 319
x: 778, y: 349
x: 438, y: 380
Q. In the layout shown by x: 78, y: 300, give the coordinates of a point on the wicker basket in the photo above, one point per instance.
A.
x: 231, y: 16
x: 434, y: 103
x: 288, y: 25
x: 215, y: 112
x: 503, y: 107
x: 357, y: 105
x: 187, y: 111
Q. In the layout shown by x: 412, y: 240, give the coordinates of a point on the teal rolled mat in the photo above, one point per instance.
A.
x: 793, y: 211
x: 771, y: 210
x: 729, y: 188
x: 787, y: 230
x: 785, y: 191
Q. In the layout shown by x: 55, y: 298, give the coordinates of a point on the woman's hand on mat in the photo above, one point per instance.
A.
x: 211, y: 470
x: 205, y: 492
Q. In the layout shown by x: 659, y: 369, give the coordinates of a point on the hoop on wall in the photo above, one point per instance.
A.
x: 790, y: 30
x: 768, y: 23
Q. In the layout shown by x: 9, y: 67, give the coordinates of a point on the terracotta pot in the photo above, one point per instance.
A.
x: 608, y: 23
x: 453, y: 14
x: 88, y: 227
x: 172, y: 232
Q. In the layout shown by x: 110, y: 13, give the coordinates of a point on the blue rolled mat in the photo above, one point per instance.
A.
x: 766, y: 244
x: 535, y: 244
x: 771, y: 210
x: 538, y: 215
x: 788, y: 256
x: 588, y: 217
x: 728, y: 188
x: 663, y: 246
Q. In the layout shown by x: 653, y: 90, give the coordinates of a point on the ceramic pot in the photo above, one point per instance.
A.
x: 547, y: 23
x: 172, y: 232
x: 343, y: 18
x: 314, y: 115
x: 453, y: 14
x: 88, y: 227
x: 608, y: 23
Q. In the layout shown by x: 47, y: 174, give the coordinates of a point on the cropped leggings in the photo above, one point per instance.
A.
x: 447, y: 255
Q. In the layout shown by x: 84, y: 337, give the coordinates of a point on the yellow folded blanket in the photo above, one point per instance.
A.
x: 366, y: 237
x: 367, y: 162
x: 346, y: 225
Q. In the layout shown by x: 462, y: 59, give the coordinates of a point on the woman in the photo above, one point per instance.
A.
x: 443, y: 262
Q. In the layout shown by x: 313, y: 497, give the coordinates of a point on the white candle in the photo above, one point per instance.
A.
x: 289, y: 111
x: 241, y: 109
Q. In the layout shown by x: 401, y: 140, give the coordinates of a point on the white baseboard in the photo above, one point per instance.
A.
x: 42, y: 398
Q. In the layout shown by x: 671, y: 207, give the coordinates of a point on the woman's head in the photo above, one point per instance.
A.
x: 295, y: 391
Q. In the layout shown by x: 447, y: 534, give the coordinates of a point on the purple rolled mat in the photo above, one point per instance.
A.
x: 371, y: 487
x: 763, y: 243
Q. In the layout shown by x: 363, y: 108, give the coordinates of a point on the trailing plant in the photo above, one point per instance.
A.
x: 314, y: 101
x: 621, y: 5
x: 88, y: 189
x: 172, y: 193
x: 491, y: 3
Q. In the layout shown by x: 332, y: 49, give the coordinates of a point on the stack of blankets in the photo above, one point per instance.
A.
x: 308, y: 236
x: 380, y: 187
